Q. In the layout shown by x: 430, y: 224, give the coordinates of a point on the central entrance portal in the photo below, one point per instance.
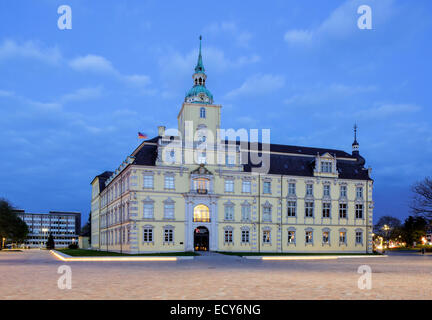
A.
x: 201, y: 239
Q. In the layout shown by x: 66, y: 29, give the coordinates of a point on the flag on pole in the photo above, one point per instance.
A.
x: 142, y: 135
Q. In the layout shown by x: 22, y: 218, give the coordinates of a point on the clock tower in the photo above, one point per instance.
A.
x: 199, y: 118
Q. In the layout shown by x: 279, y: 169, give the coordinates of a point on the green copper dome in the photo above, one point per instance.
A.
x: 196, y: 90
x: 199, y: 93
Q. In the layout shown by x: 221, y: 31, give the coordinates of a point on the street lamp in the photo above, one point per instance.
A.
x: 386, y: 228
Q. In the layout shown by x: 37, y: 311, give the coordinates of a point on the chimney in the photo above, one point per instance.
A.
x: 161, y: 131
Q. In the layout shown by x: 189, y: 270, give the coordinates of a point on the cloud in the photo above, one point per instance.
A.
x: 386, y: 110
x: 258, y: 84
x: 341, y: 23
x: 82, y: 94
x: 31, y: 50
x: 242, y: 38
x: 101, y: 65
x: 92, y: 63
x: 319, y: 93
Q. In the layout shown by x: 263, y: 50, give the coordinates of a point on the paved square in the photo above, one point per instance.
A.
x: 33, y: 275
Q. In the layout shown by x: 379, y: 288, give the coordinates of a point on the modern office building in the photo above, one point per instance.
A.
x: 64, y: 226
x: 194, y: 189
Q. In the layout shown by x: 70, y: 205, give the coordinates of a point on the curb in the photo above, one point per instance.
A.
x: 67, y: 258
x: 309, y: 257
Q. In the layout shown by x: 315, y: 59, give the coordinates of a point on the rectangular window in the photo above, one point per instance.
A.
x: 169, y: 182
x: 292, y: 208
x: 230, y: 160
x: 148, y: 181
x: 326, y: 166
x: 266, y: 236
x: 309, y: 206
x: 359, y: 211
x: 359, y: 192
x: 326, y: 237
x: 229, y: 212
x: 169, y: 211
x: 246, y: 213
x: 228, y: 236
x: 245, y: 236
x: 342, y: 237
x: 267, y: 213
x: 291, y: 236
x: 342, y: 210
x: 359, y: 237
x: 267, y: 187
x: 343, y: 191
x: 168, y: 235
x: 229, y: 185
x: 326, y: 210
x: 148, y: 210
x: 309, y: 190
x: 326, y: 190
x: 291, y: 189
x: 246, y: 187
x: 308, y: 237
x: 148, y: 234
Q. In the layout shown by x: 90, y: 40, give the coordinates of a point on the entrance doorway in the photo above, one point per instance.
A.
x: 201, y: 239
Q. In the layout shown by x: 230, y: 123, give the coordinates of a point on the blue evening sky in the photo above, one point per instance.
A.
x: 72, y: 101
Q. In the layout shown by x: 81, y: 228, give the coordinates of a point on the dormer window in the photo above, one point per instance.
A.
x: 326, y: 166
x: 202, y: 112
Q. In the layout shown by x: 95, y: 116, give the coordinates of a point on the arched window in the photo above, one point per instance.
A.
x: 202, y: 112
x: 201, y: 213
x: 200, y: 81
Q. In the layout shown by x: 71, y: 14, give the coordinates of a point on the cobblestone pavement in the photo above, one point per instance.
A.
x: 32, y: 274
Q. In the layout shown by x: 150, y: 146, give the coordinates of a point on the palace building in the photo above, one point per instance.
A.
x: 192, y: 189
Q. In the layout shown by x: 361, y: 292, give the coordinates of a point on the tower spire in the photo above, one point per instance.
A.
x: 355, y: 145
x: 199, y: 67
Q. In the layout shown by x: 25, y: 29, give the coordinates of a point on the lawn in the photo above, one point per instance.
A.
x: 292, y: 254
x: 96, y: 253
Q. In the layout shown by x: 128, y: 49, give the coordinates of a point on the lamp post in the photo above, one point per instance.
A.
x: 386, y: 228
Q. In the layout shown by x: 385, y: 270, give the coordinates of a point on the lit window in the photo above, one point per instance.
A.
x: 201, y: 213
x: 266, y: 236
x: 342, y: 237
x: 291, y: 236
x: 326, y: 237
x: 308, y: 237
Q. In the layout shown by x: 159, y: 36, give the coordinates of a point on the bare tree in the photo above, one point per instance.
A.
x: 422, y: 200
